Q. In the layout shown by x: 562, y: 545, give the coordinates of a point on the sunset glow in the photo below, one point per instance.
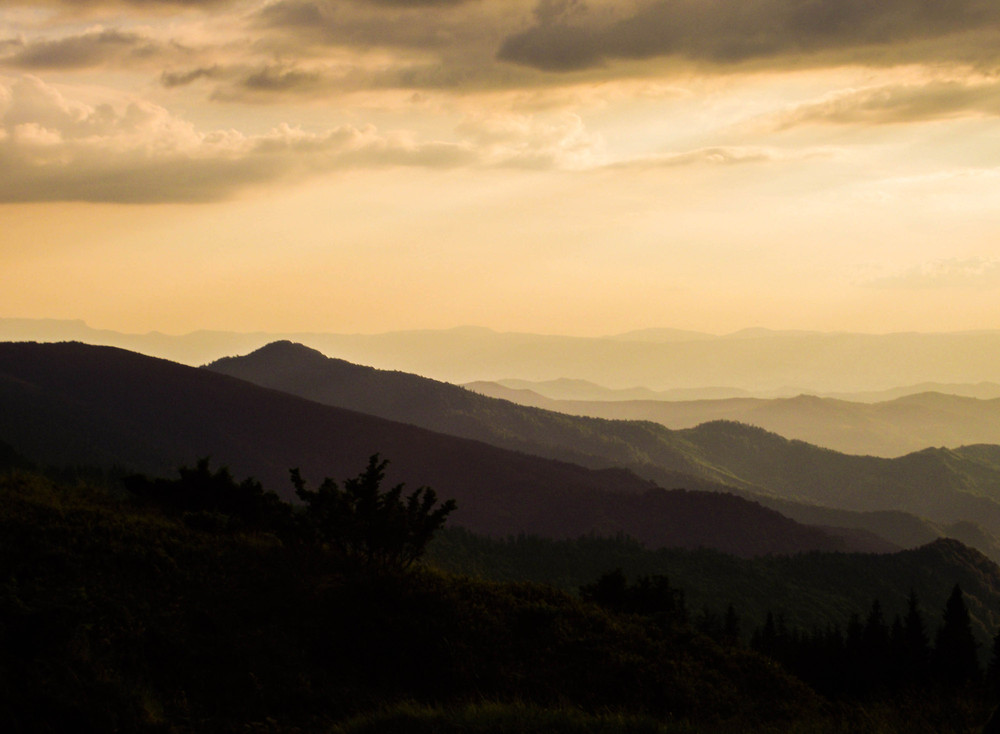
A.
x: 533, y: 165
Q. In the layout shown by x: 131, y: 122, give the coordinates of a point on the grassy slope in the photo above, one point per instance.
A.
x: 809, y: 590
x: 116, y: 617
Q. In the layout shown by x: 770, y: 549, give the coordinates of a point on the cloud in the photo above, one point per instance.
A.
x: 472, y: 28
x: 182, y: 78
x: 715, y: 156
x: 55, y: 149
x: 898, y: 103
x: 976, y: 273
x: 77, y: 5
x: 730, y: 31
x: 91, y: 49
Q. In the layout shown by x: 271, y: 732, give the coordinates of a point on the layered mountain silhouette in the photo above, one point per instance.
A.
x: 887, y: 428
x: 70, y: 403
x: 945, y: 486
x: 758, y: 359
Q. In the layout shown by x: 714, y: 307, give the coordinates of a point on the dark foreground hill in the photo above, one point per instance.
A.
x: 117, y: 618
x: 77, y: 404
x: 121, y: 616
x: 946, y: 486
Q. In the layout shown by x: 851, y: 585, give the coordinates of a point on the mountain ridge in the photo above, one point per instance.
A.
x: 945, y: 487
x: 72, y: 403
x: 759, y: 360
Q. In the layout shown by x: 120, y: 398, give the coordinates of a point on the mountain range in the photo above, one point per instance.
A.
x: 73, y: 403
x: 69, y: 403
x: 756, y: 360
x: 945, y: 486
x: 527, y: 392
x: 887, y: 428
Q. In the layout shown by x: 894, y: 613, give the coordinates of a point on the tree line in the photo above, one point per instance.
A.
x: 868, y: 658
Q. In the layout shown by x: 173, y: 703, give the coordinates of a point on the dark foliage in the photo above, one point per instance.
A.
x: 205, y: 497
x: 651, y: 596
x: 872, y: 660
x: 118, y: 616
x: 381, y: 529
x: 955, y: 659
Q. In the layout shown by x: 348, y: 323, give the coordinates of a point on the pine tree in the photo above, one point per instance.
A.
x: 955, y: 660
x: 917, y: 649
x: 993, y: 668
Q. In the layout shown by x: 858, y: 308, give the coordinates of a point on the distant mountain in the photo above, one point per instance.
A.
x: 979, y: 390
x: 77, y: 404
x: 522, y: 391
x: 891, y: 428
x: 446, y: 408
x: 662, y: 335
x: 944, y: 486
x: 527, y: 392
x: 758, y: 360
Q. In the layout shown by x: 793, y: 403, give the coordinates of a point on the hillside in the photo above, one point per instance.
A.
x: 888, y: 428
x: 944, y: 486
x: 77, y: 404
x: 812, y: 590
x: 119, y: 617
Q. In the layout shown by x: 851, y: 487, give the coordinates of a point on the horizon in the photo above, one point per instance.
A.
x: 648, y: 330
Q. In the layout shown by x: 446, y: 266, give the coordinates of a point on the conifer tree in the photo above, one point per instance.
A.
x: 955, y: 660
x: 381, y: 529
x: 917, y: 650
x: 993, y: 667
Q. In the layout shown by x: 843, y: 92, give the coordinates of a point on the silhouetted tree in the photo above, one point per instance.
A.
x: 917, y: 649
x: 200, y: 493
x: 875, y: 650
x: 993, y: 667
x: 380, y: 529
x: 650, y: 596
x: 955, y: 660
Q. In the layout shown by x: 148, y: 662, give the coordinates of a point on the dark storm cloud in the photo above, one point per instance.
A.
x: 730, y: 31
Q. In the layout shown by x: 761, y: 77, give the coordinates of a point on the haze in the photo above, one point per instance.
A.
x: 549, y: 166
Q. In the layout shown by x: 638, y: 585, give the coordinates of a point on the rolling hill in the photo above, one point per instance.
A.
x: 887, y: 428
x: 945, y: 486
x: 76, y: 404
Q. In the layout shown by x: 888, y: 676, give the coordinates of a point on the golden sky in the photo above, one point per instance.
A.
x: 571, y: 166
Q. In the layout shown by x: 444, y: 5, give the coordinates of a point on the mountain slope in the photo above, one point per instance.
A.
x: 76, y: 404
x: 811, y: 590
x: 889, y: 428
x: 945, y: 486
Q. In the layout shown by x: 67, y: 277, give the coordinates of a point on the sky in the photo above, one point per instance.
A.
x: 582, y: 167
